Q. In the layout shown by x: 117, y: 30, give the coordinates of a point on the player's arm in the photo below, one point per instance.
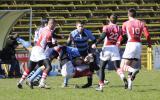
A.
x: 119, y: 41
x: 92, y: 37
x: 103, y: 35
x: 50, y: 41
x: 123, y: 37
x: 147, y: 35
x: 101, y: 38
x: 63, y: 54
x: 69, y: 40
x: 122, y: 40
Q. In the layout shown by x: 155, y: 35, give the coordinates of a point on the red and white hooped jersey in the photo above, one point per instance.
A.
x: 44, y: 37
x: 134, y: 28
x: 113, y: 32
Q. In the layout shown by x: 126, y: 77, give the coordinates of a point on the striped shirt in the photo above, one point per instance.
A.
x: 44, y: 37
x: 81, y: 40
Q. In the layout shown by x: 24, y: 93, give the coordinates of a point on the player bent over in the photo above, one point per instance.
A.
x: 38, y: 56
x: 77, y: 68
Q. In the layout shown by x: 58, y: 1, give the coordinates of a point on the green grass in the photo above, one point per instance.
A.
x: 145, y: 87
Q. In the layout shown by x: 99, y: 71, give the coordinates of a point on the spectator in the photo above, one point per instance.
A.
x: 2, y: 73
x: 8, y: 56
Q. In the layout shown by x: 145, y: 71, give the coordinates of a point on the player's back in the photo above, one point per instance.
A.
x: 113, y: 32
x: 73, y: 52
x: 134, y: 29
x: 44, y: 37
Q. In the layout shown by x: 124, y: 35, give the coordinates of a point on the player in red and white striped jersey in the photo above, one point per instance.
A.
x: 133, y: 28
x: 38, y: 56
x: 110, y: 51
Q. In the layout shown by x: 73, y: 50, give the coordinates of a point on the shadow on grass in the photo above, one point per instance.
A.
x: 76, y: 86
x: 148, y: 90
x: 114, y: 86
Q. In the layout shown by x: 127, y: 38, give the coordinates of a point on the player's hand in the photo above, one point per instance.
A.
x: 93, y: 46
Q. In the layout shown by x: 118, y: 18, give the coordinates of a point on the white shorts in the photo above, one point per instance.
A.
x: 68, y: 70
x: 37, y: 54
x: 110, y: 52
x: 132, y: 50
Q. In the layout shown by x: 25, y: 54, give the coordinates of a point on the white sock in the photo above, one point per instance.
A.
x: 120, y: 73
x: 128, y: 68
x: 42, y: 81
x: 21, y: 81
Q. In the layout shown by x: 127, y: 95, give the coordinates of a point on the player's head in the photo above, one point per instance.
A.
x: 132, y: 12
x: 113, y: 18
x: 80, y: 26
x: 52, y: 23
x: 44, y: 22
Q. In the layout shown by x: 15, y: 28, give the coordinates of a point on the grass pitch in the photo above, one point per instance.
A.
x: 145, y: 87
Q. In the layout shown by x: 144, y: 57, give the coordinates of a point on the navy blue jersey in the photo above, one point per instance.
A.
x: 51, y: 53
x: 81, y: 40
x: 72, y: 52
